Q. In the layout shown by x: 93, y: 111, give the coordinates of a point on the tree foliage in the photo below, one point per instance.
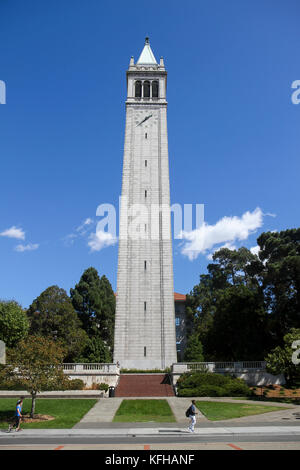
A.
x: 279, y: 360
x: 37, y: 363
x: 94, y: 301
x: 245, y: 304
x: 14, y: 324
x: 194, y: 350
x: 52, y: 315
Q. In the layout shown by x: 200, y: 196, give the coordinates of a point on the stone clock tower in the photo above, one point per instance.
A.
x: 145, y: 323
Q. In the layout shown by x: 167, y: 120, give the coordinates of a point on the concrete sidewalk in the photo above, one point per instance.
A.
x: 132, y: 431
x: 102, y: 412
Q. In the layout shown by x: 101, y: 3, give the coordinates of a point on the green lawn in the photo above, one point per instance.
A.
x: 67, y: 412
x: 216, y: 411
x: 143, y: 411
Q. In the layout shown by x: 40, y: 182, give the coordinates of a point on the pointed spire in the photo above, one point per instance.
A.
x: 147, y: 56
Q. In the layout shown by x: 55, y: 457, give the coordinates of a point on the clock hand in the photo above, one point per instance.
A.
x: 146, y: 119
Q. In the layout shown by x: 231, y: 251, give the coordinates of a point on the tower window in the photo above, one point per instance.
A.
x: 145, y: 192
x: 145, y: 163
x: 146, y: 135
x: 146, y: 89
x: 145, y: 351
x: 155, y: 89
x: 138, y: 89
x: 145, y: 306
x: 145, y: 265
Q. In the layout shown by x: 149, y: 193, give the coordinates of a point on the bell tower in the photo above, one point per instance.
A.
x: 145, y: 320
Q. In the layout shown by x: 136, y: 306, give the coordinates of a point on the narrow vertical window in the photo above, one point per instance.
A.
x: 145, y: 351
x: 145, y: 306
x: 138, y: 89
x: 145, y: 193
x: 146, y: 89
x: 146, y: 163
x: 146, y: 135
x: 154, y: 89
x: 145, y: 265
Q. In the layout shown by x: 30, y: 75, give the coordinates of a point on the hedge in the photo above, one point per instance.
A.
x: 209, y: 384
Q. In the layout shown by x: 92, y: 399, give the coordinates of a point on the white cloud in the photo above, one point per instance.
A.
x: 82, y: 227
x: 29, y: 247
x: 255, y: 250
x: 226, y: 231
x: 14, y: 232
x: 100, y: 240
x: 80, y: 231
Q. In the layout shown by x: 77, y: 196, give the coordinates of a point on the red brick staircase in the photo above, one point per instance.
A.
x: 144, y: 385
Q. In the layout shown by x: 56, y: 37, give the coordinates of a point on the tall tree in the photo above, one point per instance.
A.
x: 14, y: 324
x: 227, y: 309
x: 279, y: 269
x: 239, y: 330
x: 94, y: 301
x: 52, y: 314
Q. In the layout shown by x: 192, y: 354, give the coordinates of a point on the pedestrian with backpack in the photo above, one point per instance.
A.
x: 191, y: 413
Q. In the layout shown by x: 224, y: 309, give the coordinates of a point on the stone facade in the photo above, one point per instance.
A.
x: 145, y: 320
x: 2, y: 352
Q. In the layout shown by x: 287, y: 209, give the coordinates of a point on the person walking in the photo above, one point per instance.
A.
x: 18, y: 416
x: 192, y: 415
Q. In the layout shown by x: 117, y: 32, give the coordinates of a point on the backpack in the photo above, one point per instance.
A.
x: 188, y: 412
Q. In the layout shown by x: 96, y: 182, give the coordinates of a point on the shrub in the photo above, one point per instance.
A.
x: 237, y: 388
x: 103, y: 386
x: 210, y: 391
x: 75, y: 384
x: 188, y: 392
x: 211, y: 385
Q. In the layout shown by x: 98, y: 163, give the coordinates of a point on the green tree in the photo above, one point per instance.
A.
x: 95, y: 351
x: 94, y: 302
x: 37, y: 363
x: 279, y: 360
x: 279, y: 270
x: 228, y: 298
x: 239, y: 329
x: 52, y: 315
x: 14, y: 324
x: 194, y: 350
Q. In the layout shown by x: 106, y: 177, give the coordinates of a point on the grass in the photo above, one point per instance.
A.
x: 67, y: 412
x: 215, y: 411
x: 143, y: 411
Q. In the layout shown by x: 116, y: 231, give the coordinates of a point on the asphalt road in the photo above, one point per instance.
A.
x: 187, y: 442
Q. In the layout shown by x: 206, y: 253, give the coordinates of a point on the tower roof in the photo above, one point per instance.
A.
x: 147, y: 56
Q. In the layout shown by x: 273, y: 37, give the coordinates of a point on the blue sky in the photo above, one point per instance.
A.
x: 233, y: 129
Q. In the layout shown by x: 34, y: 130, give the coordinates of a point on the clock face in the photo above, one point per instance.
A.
x: 145, y: 119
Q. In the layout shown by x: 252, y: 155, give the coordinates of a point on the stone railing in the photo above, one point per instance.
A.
x: 181, y: 367
x: 92, y: 368
x: 253, y: 372
x: 93, y: 372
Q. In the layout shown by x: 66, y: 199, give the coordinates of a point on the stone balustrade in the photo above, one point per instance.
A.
x: 253, y: 372
x: 93, y: 373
